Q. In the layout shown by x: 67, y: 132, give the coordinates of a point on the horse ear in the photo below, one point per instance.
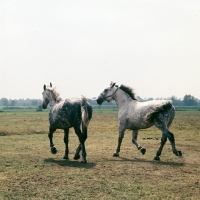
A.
x: 44, y: 87
x: 50, y: 84
x: 112, y: 84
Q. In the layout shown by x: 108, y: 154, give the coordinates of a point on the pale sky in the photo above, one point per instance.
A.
x: 82, y: 45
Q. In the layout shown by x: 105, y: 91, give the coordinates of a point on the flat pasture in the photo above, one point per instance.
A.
x: 29, y: 171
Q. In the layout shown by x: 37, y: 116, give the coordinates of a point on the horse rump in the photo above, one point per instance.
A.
x: 158, y: 109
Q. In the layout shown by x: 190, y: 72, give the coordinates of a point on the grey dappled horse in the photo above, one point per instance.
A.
x: 65, y: 114
x: 136, y: 115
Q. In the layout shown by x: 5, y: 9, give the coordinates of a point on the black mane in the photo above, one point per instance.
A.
x: 129, y: 91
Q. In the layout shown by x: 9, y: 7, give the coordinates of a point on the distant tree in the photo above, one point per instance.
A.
x: 39, y: 108
x: 176, y: 102
x: 150, y: 99
x: 4, y: 101
x: 34, y: 103
x: 189, y: 100
x: 28, y: 102
x: 12, y: 102
x: 91, y: 101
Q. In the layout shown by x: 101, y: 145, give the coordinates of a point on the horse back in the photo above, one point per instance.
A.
x: 141, y: 115
x: 65, y: 114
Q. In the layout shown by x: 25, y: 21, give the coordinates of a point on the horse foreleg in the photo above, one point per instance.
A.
x: 134, y: 140
x: 50, y: 135
x: 66, y: 141
x: 120, y: 138
x: 81, y: 138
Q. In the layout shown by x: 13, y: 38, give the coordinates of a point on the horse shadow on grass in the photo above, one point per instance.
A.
x: 142, y: 160
x: 70, y: 163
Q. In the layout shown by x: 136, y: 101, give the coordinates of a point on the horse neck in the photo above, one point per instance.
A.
x: 53, y: 101
x: 121, y: 98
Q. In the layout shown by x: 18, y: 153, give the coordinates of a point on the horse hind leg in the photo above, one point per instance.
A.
x: 160, y: 123
x: 163, y: 141
x: 81, y: 138
x: 134, y: 140
x: 77, y: 154
x: 172, y: 141
x: 171, y: 115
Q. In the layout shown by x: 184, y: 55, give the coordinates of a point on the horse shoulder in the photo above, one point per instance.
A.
x: 58, y: 111
x: 137, y: 115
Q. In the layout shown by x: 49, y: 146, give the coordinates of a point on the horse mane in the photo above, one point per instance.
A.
x: 55, y: 94
x: 129, y: 91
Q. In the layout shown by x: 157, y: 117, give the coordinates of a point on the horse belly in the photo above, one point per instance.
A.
x: 59, y: 122
x: 62, y: 124
x: 136, y: 123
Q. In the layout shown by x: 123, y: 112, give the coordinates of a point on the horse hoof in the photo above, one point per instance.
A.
x: 179, y: 154
x: 65, y: 157
x: 157, y: 158
x: 76, y: 156
x: 84, y: 161
x: 53, y: 150
x: 143, y: 151
x: 116, y: 154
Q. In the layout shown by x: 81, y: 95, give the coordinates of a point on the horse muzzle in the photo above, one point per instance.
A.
x: 100, y: 100
x: 44, y: 106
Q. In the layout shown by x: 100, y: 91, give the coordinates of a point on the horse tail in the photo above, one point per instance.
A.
x: 86, y: 111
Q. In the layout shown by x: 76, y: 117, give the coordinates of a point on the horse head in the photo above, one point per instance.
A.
x: 45, y: 98
x: 107, y: 94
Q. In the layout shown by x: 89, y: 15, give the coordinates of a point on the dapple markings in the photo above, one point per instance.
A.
x: 65, y: 114
x: 136, y: 115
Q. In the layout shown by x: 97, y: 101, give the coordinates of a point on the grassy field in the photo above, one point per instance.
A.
x: 29, y: 171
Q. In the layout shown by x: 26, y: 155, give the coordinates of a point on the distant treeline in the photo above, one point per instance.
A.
x: 20, y: 102
x: 188, y: 100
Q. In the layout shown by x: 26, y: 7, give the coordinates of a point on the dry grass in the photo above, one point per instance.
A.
x: 29, y: 171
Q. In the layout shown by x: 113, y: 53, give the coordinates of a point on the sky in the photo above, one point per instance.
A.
x: 81, y: 46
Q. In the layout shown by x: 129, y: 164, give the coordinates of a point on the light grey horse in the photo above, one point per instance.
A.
x: 134, y: 115
x: 65, y: 114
